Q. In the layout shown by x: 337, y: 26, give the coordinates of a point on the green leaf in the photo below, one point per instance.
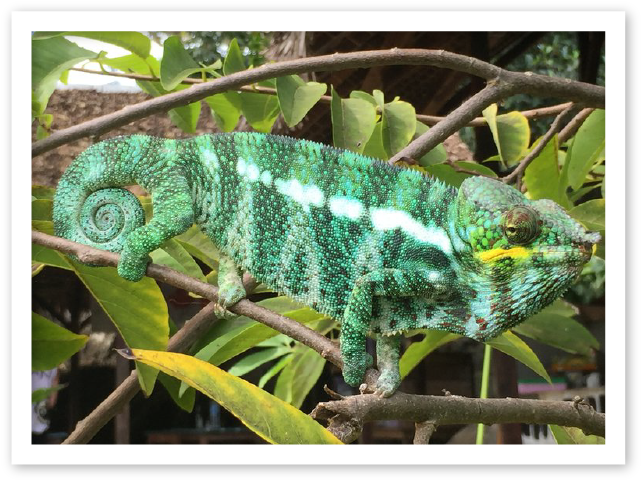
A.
x: 261, y: 111
x: 363, y: 96
x: 135, y: 42
x: 353, y: 122
x: 177, y: 64
x: 185, y: 117
x: 137, y: 309
x: 433, y: 157
x: 417, y: 351
x: 513, y: 346
x: 449, y: 175
x: 587, y: 148
x: 374, y: 147
x: 282, y: 363
x: 559, y: 331
x: 49, y: 59
x: 574, y: 436
x: 51, y: 344
x: 398, y: 126
x: 296, y: 97
x: 225, y: 108
x: 174, y: 255
x: 255, y: 360
x: 270, y: 418
x: 308, y: 367
x: 234, y: 61
x: 591, y: 214
x: 542, y: 175
x: 511, y: 133
x: 185, y: 401
x: 48, y: 256
x: 200, y: 246
x: 133, y: 63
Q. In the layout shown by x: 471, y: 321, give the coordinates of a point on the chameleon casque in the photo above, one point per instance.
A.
x: 382, y: 249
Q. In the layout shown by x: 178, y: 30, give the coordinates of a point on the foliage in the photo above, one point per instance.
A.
x: 363, y: 122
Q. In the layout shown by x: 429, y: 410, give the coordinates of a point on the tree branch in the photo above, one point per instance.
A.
x: 590, y: 95
x: 573, y: 125
x: 426, y: 119
x: 284, y: 325
x: 347, y: 416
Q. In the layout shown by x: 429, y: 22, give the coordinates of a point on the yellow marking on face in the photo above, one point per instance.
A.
x: 498, y: 253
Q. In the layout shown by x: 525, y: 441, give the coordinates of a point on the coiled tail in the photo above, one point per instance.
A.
x: 87, y: 208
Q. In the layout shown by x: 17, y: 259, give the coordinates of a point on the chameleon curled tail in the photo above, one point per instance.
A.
x: 89, y: 207
x: 102, y: 219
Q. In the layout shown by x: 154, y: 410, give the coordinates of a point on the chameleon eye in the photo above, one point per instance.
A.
x: 520, y: 225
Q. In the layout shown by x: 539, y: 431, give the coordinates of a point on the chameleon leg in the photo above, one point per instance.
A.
x: 388, y: 282
x: 388, y: 352
x: 173, y: 215
x: 230, y: 286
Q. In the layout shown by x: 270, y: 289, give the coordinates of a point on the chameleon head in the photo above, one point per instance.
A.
x: 524, y: 253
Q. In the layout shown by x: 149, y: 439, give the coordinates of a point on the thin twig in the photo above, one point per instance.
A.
x: 573, y: 125
x: 545, y: 139
x: 529, y: 83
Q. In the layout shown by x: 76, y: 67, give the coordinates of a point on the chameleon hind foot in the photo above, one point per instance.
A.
x: 388, y: 350
x: 230, y: 287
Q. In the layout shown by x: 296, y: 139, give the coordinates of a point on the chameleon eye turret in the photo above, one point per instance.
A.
x: 521, y: 225
x: 382, y: 249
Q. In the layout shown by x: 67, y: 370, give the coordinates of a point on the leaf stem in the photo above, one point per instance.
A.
x: 485, y: 380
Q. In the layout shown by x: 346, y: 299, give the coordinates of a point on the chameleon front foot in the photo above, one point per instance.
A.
x: 354, y: 366
x: 133, y: 268
x: 387, y: 383
x: 228, y: 295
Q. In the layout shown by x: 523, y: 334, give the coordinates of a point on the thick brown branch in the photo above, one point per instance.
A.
x: 426, y: 119
x: 349, y: 414
x: 590, y: 95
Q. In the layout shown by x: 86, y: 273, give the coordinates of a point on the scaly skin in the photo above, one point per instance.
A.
x: 381, y: 249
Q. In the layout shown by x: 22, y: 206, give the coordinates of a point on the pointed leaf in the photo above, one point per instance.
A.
x: 296, y: 97
x: 374, y: 147
x: 560, y: 332
x: 225, y: 108
x: 436, y: 155
x: 591, y: 214
x: 587, y: 147
x: 137, y: 309
x: 513, y: 346
x: 133, y: 63
x: 398, y: 125
x: 574, y: 436
x: 185, y: 117
x: 542, y: 175
x: 177, y: 64
x: 270, y: 418
x: 174, y: 255
x: 511, y: 133
x: 449, y: 175
x: 51, y: 344
x: 417, y: 351
x: 282, y: 363
x: 255, y: 360
x: 353, y: 121
x: 261, y: 111
x: 234, y: 61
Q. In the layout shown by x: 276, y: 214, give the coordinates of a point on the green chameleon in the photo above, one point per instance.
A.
x: 382, y: 249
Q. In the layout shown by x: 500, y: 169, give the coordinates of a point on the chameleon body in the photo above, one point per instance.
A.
x: 382, y: 249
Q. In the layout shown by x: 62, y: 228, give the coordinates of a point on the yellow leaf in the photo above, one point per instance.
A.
x: 269, y: 417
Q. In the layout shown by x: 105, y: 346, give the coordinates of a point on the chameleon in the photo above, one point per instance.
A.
x: 382, y: 249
